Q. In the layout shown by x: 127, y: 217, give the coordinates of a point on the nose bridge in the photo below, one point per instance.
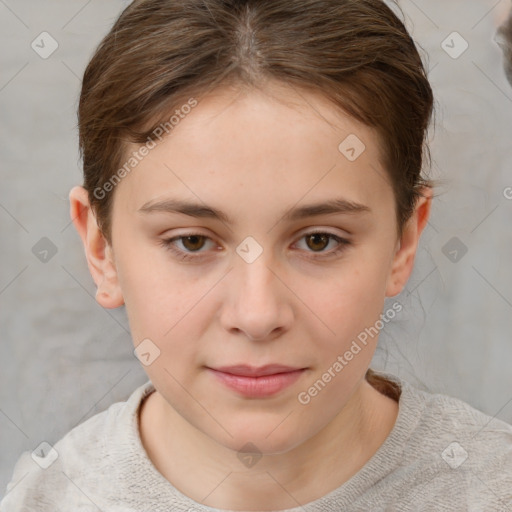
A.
x: 256, y: 278
x: 258, y: 304
x: 255, y: 261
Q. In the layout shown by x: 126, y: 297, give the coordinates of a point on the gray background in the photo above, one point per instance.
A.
x: 64, y: 358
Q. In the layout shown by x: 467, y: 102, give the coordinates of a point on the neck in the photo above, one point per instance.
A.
x: 211, y: 473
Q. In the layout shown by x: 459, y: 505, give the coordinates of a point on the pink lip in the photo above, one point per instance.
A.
x: 257, y: 382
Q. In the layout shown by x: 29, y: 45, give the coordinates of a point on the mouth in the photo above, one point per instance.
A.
x: 257, y: 382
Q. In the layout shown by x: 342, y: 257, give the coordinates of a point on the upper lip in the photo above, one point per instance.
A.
x: 253, y: 371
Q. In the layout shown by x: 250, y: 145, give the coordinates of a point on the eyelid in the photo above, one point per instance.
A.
x: 325, y: 230
x: 174, y: 238
x: 342, y: 241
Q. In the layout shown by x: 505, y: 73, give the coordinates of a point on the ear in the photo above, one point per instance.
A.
x: 403, y: 260
x: 97, y: 250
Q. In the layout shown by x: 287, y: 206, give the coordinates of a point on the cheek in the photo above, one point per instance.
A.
x: 348, y: 306
x: 349, y: 295
x: 152, y: 300
x: 167, y: 306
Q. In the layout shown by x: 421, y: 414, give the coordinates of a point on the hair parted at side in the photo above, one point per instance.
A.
x: 159, y: 53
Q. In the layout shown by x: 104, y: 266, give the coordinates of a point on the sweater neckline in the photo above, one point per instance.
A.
x: 387, y: 457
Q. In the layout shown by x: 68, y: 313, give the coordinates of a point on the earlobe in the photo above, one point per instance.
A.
x: 406, y: 247
x: 97, y: 250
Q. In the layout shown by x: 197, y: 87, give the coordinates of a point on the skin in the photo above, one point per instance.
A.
x: 254, y: 155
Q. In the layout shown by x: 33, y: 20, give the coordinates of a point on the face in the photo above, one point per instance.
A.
x: 266, y: 280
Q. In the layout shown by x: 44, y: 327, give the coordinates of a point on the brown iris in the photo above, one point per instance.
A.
x: 194, y: 240
x: 318, y: 238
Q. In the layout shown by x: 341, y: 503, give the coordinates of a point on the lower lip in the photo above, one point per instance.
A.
x: 258, y: 387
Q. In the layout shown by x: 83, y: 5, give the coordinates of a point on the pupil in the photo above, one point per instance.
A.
x: 193, y: 238
x: 316, y: 236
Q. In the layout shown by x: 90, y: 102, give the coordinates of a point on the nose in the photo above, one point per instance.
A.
x: 257, y: 303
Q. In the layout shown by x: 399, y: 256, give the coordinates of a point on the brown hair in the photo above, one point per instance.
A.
x: 159, y: 53
x: 504, y: 39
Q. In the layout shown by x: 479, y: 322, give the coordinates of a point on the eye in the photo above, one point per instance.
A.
x: 319, y: 240
x: 192, y: 243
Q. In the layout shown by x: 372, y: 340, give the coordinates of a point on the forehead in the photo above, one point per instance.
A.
x: 254, y: 148
x: 246, y: 120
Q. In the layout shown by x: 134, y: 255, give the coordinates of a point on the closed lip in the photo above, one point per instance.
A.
x: 243, y: 370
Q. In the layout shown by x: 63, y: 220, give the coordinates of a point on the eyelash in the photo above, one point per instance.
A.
x: 343, y: 243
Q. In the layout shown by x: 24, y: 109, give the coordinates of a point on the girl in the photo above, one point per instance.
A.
x: 252, y: 194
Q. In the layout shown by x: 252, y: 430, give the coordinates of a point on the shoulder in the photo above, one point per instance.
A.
x: 76, y: 470
x: 461, y: 456
x: 443, y: 417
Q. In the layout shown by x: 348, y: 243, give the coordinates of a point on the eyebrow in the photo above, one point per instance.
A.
x: 333, y: 206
